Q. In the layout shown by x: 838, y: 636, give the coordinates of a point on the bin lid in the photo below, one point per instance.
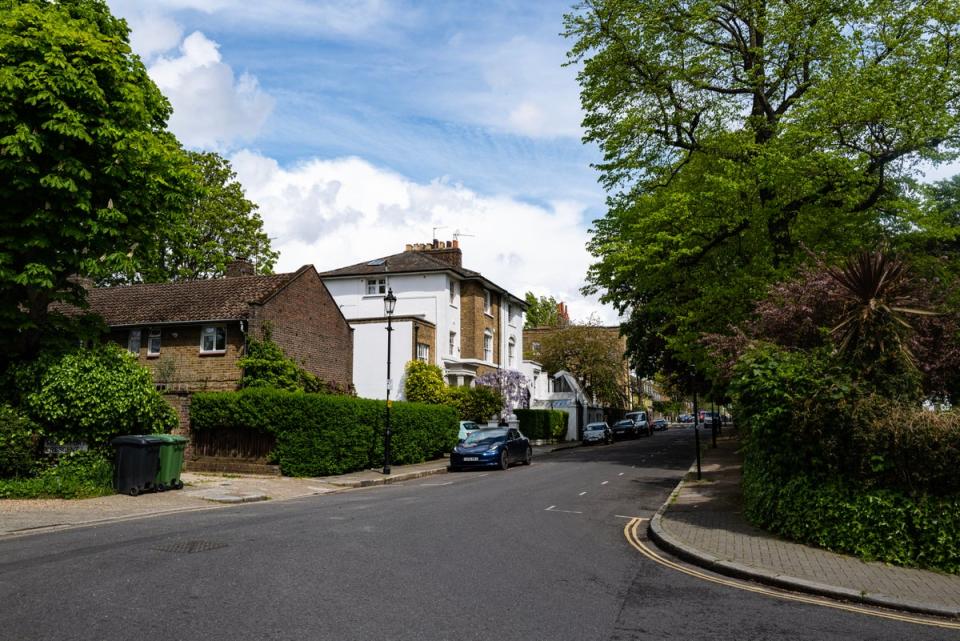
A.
x: 136, y: 440
x: 169, y: 438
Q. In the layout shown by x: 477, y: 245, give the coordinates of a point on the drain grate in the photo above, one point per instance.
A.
x: 190, y: 547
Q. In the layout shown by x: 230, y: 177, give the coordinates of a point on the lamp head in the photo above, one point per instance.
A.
x: 389, y: 302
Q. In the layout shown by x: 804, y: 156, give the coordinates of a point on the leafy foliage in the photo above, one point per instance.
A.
x: 732, y: 133
x: 19, y: 441
x: 265, y: 364
x: 594, y: 355
x: 78, y: 475
x: 217, y: 225
x: 319, y: 435
x: 542, y: 312
x: 478, y: 404
x: 542, y: 424
x: 88, y: 167
x: 92, y: 395
x: 424, y: 383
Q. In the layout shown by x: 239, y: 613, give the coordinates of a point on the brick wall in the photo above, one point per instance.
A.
x: 426, y: 333
x: 474, y: 321
x: 307, y: 323
x: 180, y: 366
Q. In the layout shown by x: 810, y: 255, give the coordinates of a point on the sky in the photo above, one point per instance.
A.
x: 359, y: 126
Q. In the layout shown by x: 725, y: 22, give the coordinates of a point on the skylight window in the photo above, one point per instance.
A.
x: 376, y: 262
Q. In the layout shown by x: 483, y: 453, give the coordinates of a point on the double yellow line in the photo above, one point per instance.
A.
x: 633, y: 538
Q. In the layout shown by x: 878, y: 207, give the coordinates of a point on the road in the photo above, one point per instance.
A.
x: 532, y: 553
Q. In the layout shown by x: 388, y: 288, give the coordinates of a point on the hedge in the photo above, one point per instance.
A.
x: 542, y: 424
x: 321, y: 435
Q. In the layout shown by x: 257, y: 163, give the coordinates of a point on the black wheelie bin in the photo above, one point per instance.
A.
x: 136, y: 463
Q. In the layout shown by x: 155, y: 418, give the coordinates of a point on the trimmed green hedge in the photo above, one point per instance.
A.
x: 542, y: 424
x: 321, y: 435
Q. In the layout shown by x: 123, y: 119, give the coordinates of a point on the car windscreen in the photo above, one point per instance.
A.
x: 624, y: 424
x: 486, y: 437
x: 593, y: 427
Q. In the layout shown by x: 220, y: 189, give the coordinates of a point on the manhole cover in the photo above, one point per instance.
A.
x: 189, y: 547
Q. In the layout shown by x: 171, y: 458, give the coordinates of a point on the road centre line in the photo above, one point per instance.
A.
x: 582, y: 493
x: 436, y: 484
x: 639, y: 518
x: 552, y: 508
x: 630, y: 532
x: 605, y: 482
x: 620, y: 474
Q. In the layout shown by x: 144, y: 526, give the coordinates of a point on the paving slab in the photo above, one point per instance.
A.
x: 703, y: 522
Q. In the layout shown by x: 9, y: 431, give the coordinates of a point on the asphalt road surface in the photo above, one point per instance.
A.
x: 534, y: 553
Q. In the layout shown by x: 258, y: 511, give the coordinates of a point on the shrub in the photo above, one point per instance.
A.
x: 81, y: 474
x: 319, y: 435
x: 266, y: 365
x: 19, y: 440
x: 93, y: 394
x: 542, y: 424
x: 478, y: 404
x: 424, y: 383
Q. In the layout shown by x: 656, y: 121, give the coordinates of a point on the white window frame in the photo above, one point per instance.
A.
x: 378, y: 285
x: 204, y: 334
x: 453, y: 343
x: 154, y: 333
x: 133, y: 341
x: 453, y: 292
x: 423, y: 352
x: 488, y: 346
x: 511, y: 350
x: 487, y: 302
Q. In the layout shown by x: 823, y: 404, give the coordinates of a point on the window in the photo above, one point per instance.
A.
x: 376, y: 286
x: 486, y: 301
x: 213, y: 338
x: 488, y: 346
x: 423, y: 352
x: 133, y: 342
x: 511, y: 348
x: 453, y: 343
x: 453, y: 292
x: 535, y: 346
x: 153, y: 343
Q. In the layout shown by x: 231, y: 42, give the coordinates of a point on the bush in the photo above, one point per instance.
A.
x: 91, y: 395
x: 320, y: 435
x: 19, y: 441
x: 266, y: 365
x: 424, y: 383
x: 77, y: 475
x: 542, y: 424
x: 477, y: 404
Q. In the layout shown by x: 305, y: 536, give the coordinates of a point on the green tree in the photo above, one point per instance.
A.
x: 735, y: 133
x: 594, y: 355
x: 424, y: 383
x: 217, y: 225
x: 87, y: 166
x: 541, y: 312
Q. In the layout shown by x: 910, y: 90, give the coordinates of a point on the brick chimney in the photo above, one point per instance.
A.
x: 240, y: 267
x: 446, y: 250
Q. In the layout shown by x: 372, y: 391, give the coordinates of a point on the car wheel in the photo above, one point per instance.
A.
x: 504, y: 461
x: 528, y: 457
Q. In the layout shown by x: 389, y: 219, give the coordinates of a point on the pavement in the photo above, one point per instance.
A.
x: 202, y: 491
x: 702, y: 522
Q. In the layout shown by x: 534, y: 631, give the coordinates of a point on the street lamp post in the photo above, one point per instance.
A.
x: 389, y: 303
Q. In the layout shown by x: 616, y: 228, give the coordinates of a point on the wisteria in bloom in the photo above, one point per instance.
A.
x: 512, y: 385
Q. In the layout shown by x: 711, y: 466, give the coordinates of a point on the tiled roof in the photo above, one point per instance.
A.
x: 195, y: 300
x: 408, y: 261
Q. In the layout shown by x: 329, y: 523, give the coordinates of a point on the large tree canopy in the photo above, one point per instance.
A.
x: 736, y: 133
x: 217, y: 225
x: 593, y: 354
x: 87, y: 166
x: 542, y: 312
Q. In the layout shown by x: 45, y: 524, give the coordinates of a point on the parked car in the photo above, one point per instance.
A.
x: 597, y: 433
x: 625, y: 429
x: 640, y: 420
x: 466, y: 429
x: 491, y: 447
x: 660, y: 424
x: 685, y: 418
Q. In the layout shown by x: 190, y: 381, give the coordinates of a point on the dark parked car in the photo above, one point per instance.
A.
x: 625, y: 429
x: 660, y: 424
x: 685, y: 418
x: 491, y: 447
x: 597, y: 433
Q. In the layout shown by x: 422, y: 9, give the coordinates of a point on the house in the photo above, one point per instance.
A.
x: 445, y: 315
x: 561, y: 391
x: 191, y: 334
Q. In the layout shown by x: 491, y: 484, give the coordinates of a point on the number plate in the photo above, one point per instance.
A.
x: 471, y: 458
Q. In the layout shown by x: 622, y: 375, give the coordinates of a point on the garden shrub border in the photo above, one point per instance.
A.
x: 546, y: 425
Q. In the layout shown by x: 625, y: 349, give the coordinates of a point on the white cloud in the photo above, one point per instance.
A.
x: 211, y: 109
x: 333, y: 213
x: 152, y: 34
x: 527, y: 92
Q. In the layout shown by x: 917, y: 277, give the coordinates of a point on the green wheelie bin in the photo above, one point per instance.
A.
x: 171, y: 461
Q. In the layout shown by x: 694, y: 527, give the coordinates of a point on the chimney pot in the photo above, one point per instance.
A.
x: 240, y: 267
x: 408, y: 248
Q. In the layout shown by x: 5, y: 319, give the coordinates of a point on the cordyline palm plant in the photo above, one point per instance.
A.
x: 874, y: 328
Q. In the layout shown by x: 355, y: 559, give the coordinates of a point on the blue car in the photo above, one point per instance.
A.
x: 491, y: 447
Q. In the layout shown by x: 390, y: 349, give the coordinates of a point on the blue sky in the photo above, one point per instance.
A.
x: 359, y: 125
